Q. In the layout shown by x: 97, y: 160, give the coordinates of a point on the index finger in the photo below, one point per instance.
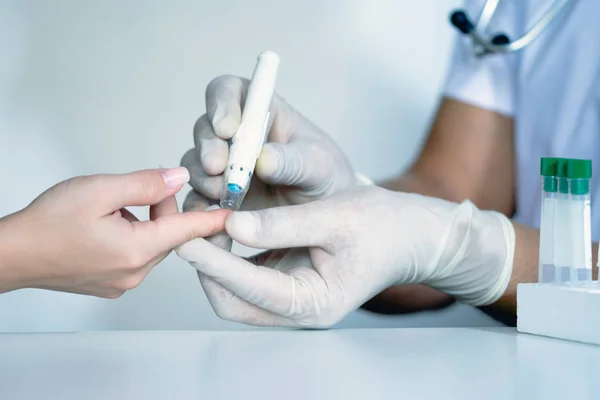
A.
x: 224, y: 96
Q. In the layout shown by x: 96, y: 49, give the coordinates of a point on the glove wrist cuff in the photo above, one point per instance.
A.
x: 475, y: 266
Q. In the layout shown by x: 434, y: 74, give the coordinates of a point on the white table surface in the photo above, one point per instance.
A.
x: 429, y: 363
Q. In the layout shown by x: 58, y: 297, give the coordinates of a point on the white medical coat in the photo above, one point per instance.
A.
x: 551, y: 89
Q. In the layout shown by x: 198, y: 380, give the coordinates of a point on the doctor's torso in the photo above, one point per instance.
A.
x: 551, y: 89
x: 557, y: 102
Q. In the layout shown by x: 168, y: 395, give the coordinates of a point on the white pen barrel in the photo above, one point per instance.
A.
x: 260, y: 91
x: 250, y: 137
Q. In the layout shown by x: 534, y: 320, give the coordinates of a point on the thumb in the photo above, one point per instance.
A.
x: 307, y: 225
x: 299, y: 164
x: 142, y: 188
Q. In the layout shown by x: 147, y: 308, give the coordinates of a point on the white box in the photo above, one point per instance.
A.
x: 569, y: 312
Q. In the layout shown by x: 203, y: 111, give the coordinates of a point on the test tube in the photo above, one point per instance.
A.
x: 579, y: 173
x: 562, y: 238
x: 546, y: 273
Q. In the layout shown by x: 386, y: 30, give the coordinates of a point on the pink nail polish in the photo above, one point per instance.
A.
x: 175, y: 177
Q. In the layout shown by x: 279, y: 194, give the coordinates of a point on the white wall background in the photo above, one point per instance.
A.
x: 115, y: 86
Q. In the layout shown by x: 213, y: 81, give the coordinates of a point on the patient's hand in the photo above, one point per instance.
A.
x: 78, y: 237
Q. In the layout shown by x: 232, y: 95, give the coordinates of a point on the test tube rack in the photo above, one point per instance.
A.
x: 570, y: 312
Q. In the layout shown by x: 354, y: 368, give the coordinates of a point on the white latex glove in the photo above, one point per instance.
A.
x: 300, y: 163
x: 337, y: 253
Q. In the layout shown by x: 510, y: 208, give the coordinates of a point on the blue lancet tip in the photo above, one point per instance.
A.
x: 234, y: 188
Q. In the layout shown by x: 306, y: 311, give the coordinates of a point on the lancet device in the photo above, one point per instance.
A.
x: 247, y: 143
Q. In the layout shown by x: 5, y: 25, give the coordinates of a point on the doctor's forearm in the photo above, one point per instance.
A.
x: 525, y: 266
x: 413, y: 182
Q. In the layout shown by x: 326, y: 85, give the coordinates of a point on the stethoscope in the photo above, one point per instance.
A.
x: 500, y: 42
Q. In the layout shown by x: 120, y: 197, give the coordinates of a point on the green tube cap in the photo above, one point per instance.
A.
x: 580, y: 172
x: 548, y: 166
x: 579, y: 169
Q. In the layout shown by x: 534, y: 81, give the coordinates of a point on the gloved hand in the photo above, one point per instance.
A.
x: 332, y: 255
x: 300, y: 163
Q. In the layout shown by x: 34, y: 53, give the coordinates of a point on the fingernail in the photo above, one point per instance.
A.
x: 243, y: 224
x: 175, y: 177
